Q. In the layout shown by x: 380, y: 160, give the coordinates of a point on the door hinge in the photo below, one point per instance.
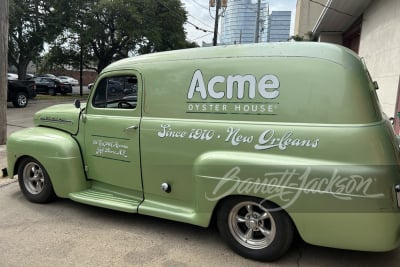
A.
x: 86, y: 168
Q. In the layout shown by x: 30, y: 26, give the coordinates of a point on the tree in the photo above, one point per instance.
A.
x: 106, y: 31
x: 3, y: 70
x: 114, y: 28
x: 32, y: 24
x: 101, y: 31
x: 164, y: 21
x: 309, y: 37
x: 189, y: 44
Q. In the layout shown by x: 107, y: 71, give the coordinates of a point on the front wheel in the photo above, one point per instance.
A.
x: 254, y: 228
x: 34, y: 181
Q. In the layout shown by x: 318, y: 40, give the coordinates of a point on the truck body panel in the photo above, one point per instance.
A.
x: 177, y: 134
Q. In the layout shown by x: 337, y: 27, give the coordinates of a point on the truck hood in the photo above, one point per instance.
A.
x: 64, y: 117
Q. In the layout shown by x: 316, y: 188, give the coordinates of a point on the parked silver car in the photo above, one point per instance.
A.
x: 67, y: 79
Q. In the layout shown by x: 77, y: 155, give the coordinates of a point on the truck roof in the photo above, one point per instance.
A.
x: 324, y: 51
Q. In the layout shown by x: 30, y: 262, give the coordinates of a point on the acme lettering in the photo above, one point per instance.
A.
x: 267, y: 86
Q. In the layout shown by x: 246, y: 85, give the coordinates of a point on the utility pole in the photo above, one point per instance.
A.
x: 217, y: 4
x: 216, y: 22
x: 257, y: 35
x: 80, y: 53
x: 3, y: 69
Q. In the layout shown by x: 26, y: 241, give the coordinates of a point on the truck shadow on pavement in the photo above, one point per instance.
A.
x: 149, y: 240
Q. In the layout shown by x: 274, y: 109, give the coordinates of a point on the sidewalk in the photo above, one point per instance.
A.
x: 3, y: 164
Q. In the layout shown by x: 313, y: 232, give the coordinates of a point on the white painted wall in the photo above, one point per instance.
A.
x: 380, y: 47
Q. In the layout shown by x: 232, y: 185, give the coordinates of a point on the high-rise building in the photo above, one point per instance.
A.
x: 240, y: 18
x: 279, y: 26
x: 239, y: 22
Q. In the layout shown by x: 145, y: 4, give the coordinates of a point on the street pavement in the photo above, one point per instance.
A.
x: 66, y: 233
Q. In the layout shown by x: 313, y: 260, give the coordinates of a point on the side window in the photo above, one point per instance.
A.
x: 118, y: 92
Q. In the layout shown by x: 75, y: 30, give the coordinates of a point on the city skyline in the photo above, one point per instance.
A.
x: 199, y: 15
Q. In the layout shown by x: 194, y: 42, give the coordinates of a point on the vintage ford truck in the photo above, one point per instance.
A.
x: 264, y: 140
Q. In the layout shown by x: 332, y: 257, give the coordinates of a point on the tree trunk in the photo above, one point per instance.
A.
x: 22, y: 67
x: 3, y: 69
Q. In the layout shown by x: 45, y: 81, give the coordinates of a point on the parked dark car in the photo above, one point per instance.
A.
x: 51, y: 86
x: 19, y: 92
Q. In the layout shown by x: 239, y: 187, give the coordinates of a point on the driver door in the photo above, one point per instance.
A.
x: 112, y: 127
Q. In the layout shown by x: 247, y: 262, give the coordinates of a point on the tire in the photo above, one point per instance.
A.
x: 34, y: 181
x: 254, y: 228
x: 52, y: 91
x: 21, y: 100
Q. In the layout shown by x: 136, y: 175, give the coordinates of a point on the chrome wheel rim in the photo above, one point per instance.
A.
x: 252, y: 225
x: 33, y: 178
x: 21, y: 100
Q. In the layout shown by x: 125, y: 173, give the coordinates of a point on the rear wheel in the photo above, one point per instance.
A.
x: 21, y: 100
x: 52, y: 91
x: 34, y: 181
x: 254, y: 228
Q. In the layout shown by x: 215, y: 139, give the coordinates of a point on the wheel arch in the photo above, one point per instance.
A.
x: 219, y: 177
x: 57, y: 151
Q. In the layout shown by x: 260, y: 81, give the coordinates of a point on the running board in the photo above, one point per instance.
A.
x: 106, y: 199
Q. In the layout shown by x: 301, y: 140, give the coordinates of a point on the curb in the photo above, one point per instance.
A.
x: 3, y: 163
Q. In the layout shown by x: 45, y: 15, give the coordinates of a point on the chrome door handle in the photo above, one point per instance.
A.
x: 133, y: 127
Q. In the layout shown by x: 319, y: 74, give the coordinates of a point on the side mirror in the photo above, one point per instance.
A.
x: 77, y: 103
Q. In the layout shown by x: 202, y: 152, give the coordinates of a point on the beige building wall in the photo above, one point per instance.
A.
x: 331, y: 38
x: 307, y: 14
x: 380, y: 47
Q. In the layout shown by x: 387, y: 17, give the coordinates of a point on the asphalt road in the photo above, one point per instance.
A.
x: 66, y: 233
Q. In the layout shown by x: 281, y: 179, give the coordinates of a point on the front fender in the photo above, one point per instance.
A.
x: 57, y: 151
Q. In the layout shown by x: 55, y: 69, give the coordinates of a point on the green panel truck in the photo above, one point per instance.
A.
x: 265, y: 140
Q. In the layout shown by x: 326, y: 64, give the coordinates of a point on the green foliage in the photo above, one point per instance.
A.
x: 97, y: 32
x: 31, y: 24
x: 106, y: 31
x: 111, y: 29
x: 191, y: 44
x: 309, y: 37
x: 164, y: 21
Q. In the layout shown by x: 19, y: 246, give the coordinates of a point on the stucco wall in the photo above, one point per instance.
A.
x: 307, y: 14
x: 331, y: 38
x: 380, y: 46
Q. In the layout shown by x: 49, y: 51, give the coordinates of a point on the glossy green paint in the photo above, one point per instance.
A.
x: 64, y: 117
x: 57, y: 150
x: 104, y: 129
x: 298, y: 124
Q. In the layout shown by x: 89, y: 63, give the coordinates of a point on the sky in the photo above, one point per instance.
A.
x: 199, y: 15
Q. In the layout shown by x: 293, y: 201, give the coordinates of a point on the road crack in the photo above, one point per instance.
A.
x: 8, y: 183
